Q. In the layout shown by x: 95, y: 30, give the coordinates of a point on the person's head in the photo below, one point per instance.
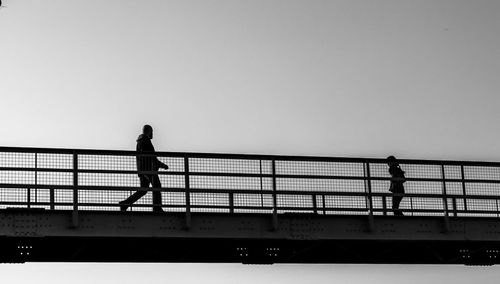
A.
x: 148, y: 131
x: 391, y: 160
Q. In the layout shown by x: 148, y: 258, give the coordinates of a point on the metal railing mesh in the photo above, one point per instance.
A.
x: 62, y: 179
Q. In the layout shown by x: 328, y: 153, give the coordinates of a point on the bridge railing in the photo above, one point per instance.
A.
x: 76, y: 180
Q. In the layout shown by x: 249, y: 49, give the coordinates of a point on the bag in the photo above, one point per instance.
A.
x: 398, y: 175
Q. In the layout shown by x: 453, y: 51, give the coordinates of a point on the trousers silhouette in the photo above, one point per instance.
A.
x: 145, y: 181
x: 396, y: 200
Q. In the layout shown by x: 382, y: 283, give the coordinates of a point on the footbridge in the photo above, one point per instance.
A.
x: 63, y: 205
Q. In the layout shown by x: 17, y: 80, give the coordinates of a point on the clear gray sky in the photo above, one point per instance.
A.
x: 418, y: 79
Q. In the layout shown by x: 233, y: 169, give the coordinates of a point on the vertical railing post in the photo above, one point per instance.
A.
x: 462, y: 172
x: 323, y: 203
x: 52, y: 199
x: 275, y: 203
x: 75, y: 189
x: 261, y: 186
x: 28, y: 197
x: 36, y: 178
x: 445, y: 201
x: 384, y: 205
x: 496, y: 202
x: 315, y: 204
x: 454, y: 203
x: 411, y: 205
x: 231, y: 202
x: 188, y: 196
x: 369, y: 195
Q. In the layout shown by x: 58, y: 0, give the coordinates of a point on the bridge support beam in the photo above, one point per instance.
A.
x: 213, y: 237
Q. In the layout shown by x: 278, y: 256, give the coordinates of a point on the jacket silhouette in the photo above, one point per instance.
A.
x: 146, y: 163
x: 397, y: 180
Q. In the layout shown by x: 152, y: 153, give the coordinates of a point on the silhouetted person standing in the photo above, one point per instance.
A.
x: 146, y: 163
x: 397, y: 188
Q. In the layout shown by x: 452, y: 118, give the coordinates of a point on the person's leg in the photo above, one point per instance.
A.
x: 144, y: 181
x: 396, y: 200
x: 157, y: 202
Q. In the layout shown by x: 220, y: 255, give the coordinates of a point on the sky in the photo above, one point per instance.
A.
x: 357, y: 78
x: 80, y: 273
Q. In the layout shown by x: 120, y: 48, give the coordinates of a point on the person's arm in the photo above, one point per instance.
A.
x: 161, y: 165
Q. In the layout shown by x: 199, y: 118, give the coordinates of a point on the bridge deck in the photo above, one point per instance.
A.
x: 245, y: 208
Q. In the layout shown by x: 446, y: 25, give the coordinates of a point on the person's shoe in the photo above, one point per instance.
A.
x: 123, y: 206
x: 398, y: 213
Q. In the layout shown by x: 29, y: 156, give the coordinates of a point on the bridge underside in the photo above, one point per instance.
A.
x: 95, y: 249
x: 41, y: 236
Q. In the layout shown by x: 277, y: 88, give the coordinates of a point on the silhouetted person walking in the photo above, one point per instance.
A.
x: 397, y: 188
x: 146, y: 163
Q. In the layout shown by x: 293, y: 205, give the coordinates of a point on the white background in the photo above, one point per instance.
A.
x: 416, y: 79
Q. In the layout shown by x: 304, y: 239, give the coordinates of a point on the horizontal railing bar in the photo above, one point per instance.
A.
x: 70, y: 204
x: 290, y: 192
x: 440, y: 211
x: 284, y: 213
x: 23, y: 169
x: 270, y: 208
x: 244, y: 156
x: 36, y: 150
x: 38, y: 203
x: 208, y: 206
x: 252, y: 191
x: 474, y: 212
x: 33, y: 186
x: 416, y: 210
x: 280, y: 176
x: 239, y: 207
x: 168, y: 173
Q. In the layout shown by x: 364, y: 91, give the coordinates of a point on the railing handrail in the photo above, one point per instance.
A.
x: 246, y: 156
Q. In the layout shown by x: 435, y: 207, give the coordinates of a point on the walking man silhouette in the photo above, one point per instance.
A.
x: 146, y: 163
x: 397, y: 188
